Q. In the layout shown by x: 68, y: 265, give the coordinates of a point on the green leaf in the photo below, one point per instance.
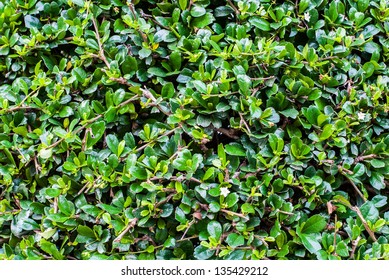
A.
x: 66, y: 206
x: 369, y: 211
x: 359, y: 170
x: 203, y: 253
x: 79, y: 3
x: 80, y: 74
x: 95, y: 134
x: 377, y: 180
x: 46, y: 153
x: 112, y: 143
x: 328, y: 130
x: 200, y: 86
x: 235, y: 240
x: 156, y: 71
x: 341, y: 249
x: 377, y: 163
x: 66, y: 112
x: 183, y: 4
x: 176, y: 60
x: 260, y: 23
x: 244, y: 83
x: 180, y: 215
x: 235, y: 149
x: 214, y: 229
x: 86, y: 231
x: 120, y: 148
x: 223, y: 11
x: 290, y: 113
x: 50, y: 249
x: 92, y: 43
x: 314, y: 224
x: 310, y: 241
x: 232, y: 199
x: 53, y: 192
x: 247, y: 208
x: 197, y: 11
x: 31, y: 22
x: 203, y: 21
x: 110, y: 114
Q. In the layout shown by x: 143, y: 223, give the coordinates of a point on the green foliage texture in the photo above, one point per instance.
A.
x: 202, y: 129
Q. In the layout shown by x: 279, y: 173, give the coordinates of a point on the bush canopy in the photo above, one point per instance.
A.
x: 194, y: 129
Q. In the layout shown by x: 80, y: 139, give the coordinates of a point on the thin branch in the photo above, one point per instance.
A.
x: 368, y: 229
x: 231, y: 213
x: 186, y: 230
x: 286, y: 213
x: 161, y: 246
x: 262, y: 78
x: 354, y: 244
x: 362, y: 158
x: 167, y: 199
x: 231, y: 133
x: 242, y: 120
x: 149, y: 143
x: 55, y: 206
x: 76, y: 131
x: 149, y: 95
x: 88, y: 122
x: 234, y: 8
x: 356, y: 189
x: 17, y: 108
x: 335, y: 231
x: 129, y: 226
x: 101, y: 50
x: 121, y: 80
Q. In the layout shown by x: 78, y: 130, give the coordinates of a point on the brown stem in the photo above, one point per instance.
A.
x: 129, y: 226
x: 233, y: 7
x: 21, y: 108
x: 149, y: 95
x: 362, y: 158
x: 354, y: 244
x: 167, y: 199
x: 368, y: 229
x: 245, y: 123
x: 262, y: 78
x: 186, y: 230
x: 163, y: 135
x: 231, y: 213
x: 76, y: 131
x: 356, y: 189
x: 101, y: 50
x: 335, y: 231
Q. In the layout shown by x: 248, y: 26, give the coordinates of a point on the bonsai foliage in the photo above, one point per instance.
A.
x: 197, y: 129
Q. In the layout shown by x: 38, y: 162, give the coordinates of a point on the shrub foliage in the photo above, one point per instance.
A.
x: 194, y: 129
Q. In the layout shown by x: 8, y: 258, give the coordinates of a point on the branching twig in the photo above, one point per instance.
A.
x: 76, y: 131
x: 101, y: 50
x: 362, y: 158
x: 368, y: 229
x: 167, y: 199
x: 354, y: 246
x: 149, y: 95
x: 356, y: 189
x: 163, y: 135
x: 129, y: 226
x: 88, y: 122
x: 231, y: 213
x: 242, y: 120
x: 188, y: 227
x: 234, y: 8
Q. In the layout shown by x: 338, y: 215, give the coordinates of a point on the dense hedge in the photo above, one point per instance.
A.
x: 194, y: 129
